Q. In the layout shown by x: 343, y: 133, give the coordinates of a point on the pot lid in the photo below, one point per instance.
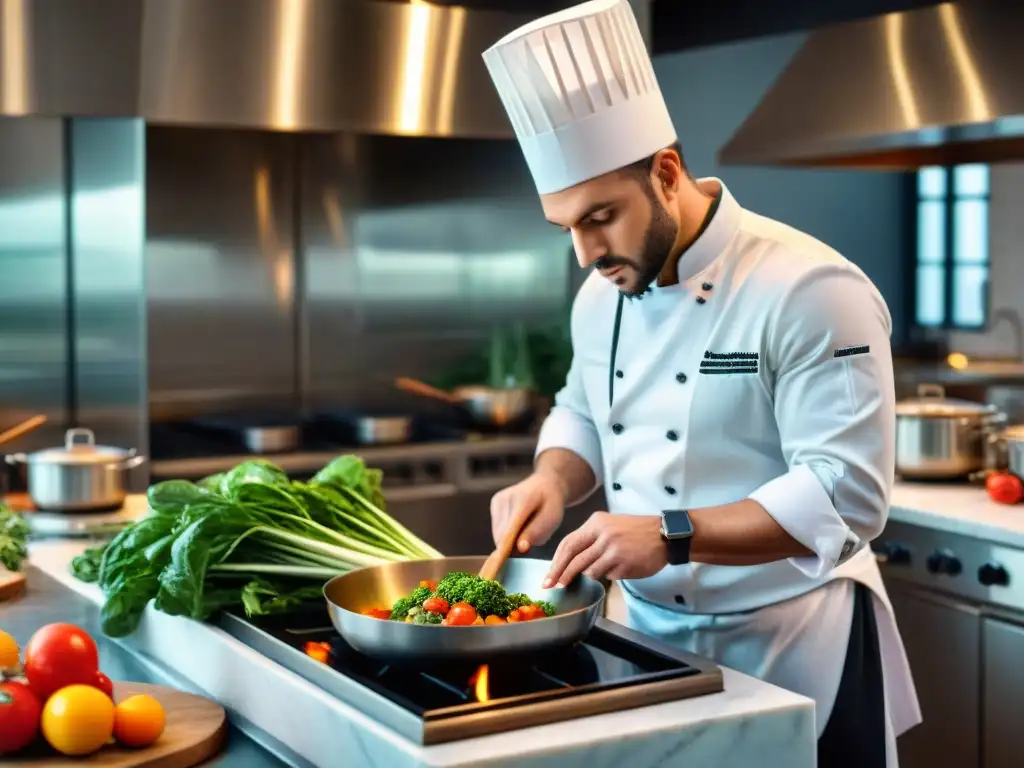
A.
x: 80, y: 448
x: 931, y: 400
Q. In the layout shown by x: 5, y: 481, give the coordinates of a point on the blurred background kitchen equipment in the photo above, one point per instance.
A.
x: 258, y: 432
x: 578, y: 606
x: 941, y: 438
x: 19, y: 430
x: 485, y: 406
x: 78, y: 477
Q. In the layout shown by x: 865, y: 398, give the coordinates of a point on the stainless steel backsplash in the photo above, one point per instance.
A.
x: 310, y: 270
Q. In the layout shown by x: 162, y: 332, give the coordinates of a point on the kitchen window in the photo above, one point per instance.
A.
x: 952, y: 259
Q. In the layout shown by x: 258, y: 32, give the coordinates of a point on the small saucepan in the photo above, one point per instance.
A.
x: 79, y: 477
x: 485, y: 406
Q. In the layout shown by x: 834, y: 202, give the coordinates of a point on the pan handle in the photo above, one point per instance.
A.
x: 425, y: 390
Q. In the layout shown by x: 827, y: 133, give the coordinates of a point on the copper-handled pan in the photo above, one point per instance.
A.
x: 485, y: 406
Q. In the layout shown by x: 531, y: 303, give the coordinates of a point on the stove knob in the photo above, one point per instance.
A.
x: 944, y: 562
x: 993, y: 575
x: 894, y: 553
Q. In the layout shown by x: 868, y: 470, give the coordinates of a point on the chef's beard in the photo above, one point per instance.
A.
x: 659, y: 239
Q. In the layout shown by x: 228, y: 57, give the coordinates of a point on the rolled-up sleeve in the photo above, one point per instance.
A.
x: 831, y: 362
x: 570, y: 425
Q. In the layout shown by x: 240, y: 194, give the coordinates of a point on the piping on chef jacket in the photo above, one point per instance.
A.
x: 765, y: 373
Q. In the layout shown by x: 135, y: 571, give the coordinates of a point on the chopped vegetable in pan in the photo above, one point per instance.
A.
x: 461, y: 600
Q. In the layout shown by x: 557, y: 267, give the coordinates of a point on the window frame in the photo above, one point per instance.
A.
x: 949, y: 263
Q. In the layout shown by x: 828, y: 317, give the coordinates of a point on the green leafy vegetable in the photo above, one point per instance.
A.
x: 250, y: 537
x: 403, y: 605
x: 14, y: 532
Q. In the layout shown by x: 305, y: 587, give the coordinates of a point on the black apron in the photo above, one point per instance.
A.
x: 854, y: 736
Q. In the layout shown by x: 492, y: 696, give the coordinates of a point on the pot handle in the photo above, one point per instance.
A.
x: 132, y: 462
x: 931, y: 391
x: 16, y: 458
x: 70, y: 437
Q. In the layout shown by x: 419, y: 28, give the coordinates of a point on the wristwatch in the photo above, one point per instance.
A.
x: 677, y: 530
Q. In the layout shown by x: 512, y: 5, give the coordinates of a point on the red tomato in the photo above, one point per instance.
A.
x: 461, y: 615
x: 1004, y: 487
x: 20, y: 711
x: 436, y: 605
x: 377, y: 613
x: 104, y: 683
x: 516, y: 615
x: 59, y: 655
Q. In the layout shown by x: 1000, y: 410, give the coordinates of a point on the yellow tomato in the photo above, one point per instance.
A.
x: 78, y: 720
x: 139, y: 720
x: 10, y: 655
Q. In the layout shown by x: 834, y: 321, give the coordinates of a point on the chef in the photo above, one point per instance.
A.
x: 731, y: 390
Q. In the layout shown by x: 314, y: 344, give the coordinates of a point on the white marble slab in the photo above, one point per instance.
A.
x: 963, y: 509
x: 750, y: 724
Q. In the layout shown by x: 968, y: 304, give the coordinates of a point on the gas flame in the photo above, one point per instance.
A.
x: 319, y: 651
x: 479, y: 681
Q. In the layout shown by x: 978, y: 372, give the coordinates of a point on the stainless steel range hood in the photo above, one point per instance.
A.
x: 937, y: 86
x: 371, y: 66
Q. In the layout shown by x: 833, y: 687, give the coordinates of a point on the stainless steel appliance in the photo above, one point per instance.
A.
x: 931, y: 86
x: 612, y: 669
x: 959, y: 604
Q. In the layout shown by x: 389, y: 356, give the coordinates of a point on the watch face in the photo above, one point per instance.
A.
x: 675, y: 524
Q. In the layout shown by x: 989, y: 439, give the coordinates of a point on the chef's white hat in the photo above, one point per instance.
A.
x: 580, y: 91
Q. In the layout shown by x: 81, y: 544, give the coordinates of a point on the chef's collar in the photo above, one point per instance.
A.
x: 715, y: 236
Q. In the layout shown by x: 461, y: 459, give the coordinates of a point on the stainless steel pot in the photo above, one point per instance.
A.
x: 383, y: 430
x: 80, y: 477
x: 940, y: 438
x: 1011, y: 442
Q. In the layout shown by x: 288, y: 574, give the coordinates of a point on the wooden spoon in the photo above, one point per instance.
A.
x: 493, y: 564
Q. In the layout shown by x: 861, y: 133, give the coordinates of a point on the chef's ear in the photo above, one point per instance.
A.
x: 668, y: 171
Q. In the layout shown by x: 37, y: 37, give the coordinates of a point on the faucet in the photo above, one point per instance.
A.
x: 1013, y: 318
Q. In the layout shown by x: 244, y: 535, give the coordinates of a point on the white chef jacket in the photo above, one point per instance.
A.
x: 765, y: 373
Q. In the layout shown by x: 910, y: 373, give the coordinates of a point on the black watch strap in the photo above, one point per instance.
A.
x: 677, y: 532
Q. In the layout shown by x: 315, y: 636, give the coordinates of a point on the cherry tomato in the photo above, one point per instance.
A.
x: 461, y: 615
x: 78, y: 720
x: 104, y: 683
x: 1004, y: 487
x: 494, y: 619
x: 436, y: 605
x: 139, y: 720
x: 377, y: 613
x: 59, y: 655
x: 10, y: 654
x: 19, y: 717
x: 516, y: 615
x: 531, y: 612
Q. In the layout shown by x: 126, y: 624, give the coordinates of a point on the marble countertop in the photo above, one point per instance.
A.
x: 750, y: 724
x: 963, y: 509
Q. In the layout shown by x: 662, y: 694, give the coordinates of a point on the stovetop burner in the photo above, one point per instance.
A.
x: 612, y: 669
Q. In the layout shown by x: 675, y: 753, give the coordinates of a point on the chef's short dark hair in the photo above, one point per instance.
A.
x: 641, y: 169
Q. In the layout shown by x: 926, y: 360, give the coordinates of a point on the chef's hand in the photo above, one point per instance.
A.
x: 543, y: 493
x: 616, y: 546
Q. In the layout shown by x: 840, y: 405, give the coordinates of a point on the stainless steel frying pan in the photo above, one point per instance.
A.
x: 578, y: 606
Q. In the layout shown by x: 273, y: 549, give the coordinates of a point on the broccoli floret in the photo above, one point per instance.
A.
x: 427, y: 617
x: 548, y: 608
x: 401, y: 607
x: 488, y: 598
x: 518, y: 600
x: 453, y: 586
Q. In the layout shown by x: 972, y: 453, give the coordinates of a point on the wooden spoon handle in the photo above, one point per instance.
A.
x: 425, y: 390
x: 21, y: 429
x: 493, y: 564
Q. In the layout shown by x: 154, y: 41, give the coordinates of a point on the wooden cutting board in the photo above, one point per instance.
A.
x: 12, y: 585
x: 195, y: 732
